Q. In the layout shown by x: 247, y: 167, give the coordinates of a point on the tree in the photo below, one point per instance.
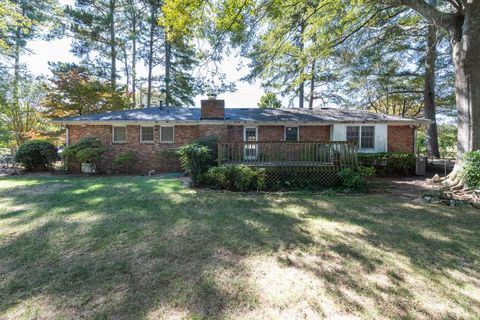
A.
x: 269, y: 101
x: 462, y: 22
x: 429, y: 89
x: 74, y: 92
x: 21, y: 119
x: 94, y: 24
x: 337, y: 20
x: 11, y: 19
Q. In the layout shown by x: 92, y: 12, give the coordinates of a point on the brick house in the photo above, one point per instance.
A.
x: 149, y: 131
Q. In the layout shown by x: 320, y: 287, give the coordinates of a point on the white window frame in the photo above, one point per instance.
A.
x: 153, y: 135
x: 285, y: 133
x: 360, y: 135
x: 113, y: 134
x: 173, y: 134
x: 245, y: 132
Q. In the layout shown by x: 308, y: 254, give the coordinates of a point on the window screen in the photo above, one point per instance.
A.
x: 119, y: 134
x: 368, y: 137
x: 166, y: 134
x: 353, y: 134
x: 291, y: 133
x: 147, y: 134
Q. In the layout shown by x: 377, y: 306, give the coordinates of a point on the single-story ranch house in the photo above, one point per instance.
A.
x: 148, y: 131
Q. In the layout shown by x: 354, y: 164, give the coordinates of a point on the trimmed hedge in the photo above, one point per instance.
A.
x: 389, y: 163
x: 236, y: 178
x: 472, y: 169
x: 36, y: 155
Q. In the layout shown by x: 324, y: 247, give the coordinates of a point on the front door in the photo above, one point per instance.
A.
x: 251, y: 149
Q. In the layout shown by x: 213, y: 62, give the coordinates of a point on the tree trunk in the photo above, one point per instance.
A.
x: 301, y: 90
x: 150, y: 57
x: 167, y: 72
x: 113, y: 48
x: 312, y: 86
x: 466, y: 59
x: 429, y: 93
x: 134, y: 57
x: 466, y: 47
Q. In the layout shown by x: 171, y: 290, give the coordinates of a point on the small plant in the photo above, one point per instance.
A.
x: 355, y: 180
x: 88, y: 150
x: 125, y: 161
x: 472, y: 169
x: 195, y: 160
x: 36, y: 155
x: 236, y: 178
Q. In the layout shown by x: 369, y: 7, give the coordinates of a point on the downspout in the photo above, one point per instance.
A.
x: 67, y: 136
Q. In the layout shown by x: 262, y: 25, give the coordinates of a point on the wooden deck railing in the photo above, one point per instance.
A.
x: 335, y: 154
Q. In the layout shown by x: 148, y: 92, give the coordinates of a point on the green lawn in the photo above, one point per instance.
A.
x: 134, y: 248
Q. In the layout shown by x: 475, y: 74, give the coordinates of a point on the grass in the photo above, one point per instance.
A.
x: 133, y: 248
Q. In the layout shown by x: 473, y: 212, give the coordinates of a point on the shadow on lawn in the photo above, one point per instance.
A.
x: 118, y: 248
x: 439, y: 242
x: 135, y: 247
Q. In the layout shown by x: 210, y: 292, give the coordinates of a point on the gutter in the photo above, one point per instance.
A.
x: 417, y: 122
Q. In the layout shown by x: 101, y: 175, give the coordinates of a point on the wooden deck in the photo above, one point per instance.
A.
x: 267, y: 154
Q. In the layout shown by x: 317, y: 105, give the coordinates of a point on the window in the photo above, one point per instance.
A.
x: 166, y: 134
x: 363, y: 136
x: 368, y: 137
x: 353, y: 135
x: 146, y: 134
x: 119, y: 134
x: 291, y: 133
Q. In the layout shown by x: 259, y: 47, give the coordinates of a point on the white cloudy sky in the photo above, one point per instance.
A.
x: 246, y: 95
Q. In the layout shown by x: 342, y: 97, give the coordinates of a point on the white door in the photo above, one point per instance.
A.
x: 250, y: 149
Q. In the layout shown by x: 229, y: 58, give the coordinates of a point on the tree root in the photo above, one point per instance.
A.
x: 454, y: 189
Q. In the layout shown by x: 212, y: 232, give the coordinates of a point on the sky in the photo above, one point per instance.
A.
x: 246, y: 95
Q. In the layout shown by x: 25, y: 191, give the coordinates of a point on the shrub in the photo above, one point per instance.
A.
x: 355, y: 180
x: 236, y: 178
x: 211, y: 142
x: 87, y: 150
x: 125, y: 161
x: 472, y: 169
x: 389, y: 163
x: 36, y: 155
x: 168, y: 157
x: 195, y: 160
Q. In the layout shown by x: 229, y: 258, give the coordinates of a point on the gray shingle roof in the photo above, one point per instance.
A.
x: 155, y: 114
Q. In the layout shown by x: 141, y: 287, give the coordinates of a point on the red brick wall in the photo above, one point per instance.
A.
x: 219, y: 130
x: 235, y: 133
x: 271, y: 133
x: 147, y: 153
x: 314, y: 133
x: 401, y: 139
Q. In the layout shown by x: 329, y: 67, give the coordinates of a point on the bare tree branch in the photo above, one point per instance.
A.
x: 436, y: 17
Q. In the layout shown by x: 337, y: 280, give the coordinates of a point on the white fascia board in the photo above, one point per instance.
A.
x: 216, y: 122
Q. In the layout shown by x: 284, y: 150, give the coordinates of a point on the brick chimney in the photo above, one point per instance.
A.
x: 212, y: 109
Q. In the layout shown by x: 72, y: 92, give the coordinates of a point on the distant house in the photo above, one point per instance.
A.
x: 148, y: 131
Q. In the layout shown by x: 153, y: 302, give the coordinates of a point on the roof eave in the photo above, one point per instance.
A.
x: 278, y: 122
